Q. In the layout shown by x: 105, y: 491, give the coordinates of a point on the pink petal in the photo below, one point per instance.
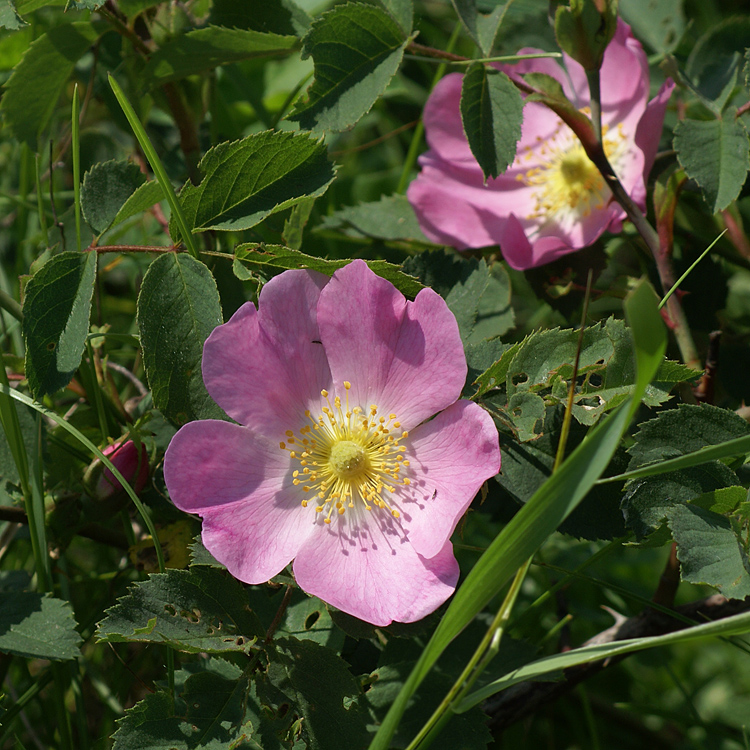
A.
x: 450, y: 456
x: 624, y: 77
x: 405, y: 357
x: 265, y: 367
x: 649, y: 128
x: 442, y: 119
x: 366, y: 568
x: 240, y: 483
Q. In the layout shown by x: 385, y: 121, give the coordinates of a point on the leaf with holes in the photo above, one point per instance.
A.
x: 56, y: 310
x: 356, y: 49
x: 322, y: 688
x: 272, y: 259
x: 37, y: 627
x: 307, y: 618
x: 491, y: 113
x: 203, y: 610
x: 213, y: 709
x: 178, y: 307
x: 245, y: 181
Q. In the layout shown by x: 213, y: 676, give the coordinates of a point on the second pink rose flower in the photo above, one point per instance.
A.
x: 552, y: 199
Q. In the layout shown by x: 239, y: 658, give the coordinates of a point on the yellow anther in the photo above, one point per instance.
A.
x: 289, y: 434
x: 282, y: 446
x: 347, y: 385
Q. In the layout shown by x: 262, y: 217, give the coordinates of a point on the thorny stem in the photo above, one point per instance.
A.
x: 274, y: 626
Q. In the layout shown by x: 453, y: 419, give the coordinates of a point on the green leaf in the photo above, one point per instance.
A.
x: 647, y: 502
x: 245, y: 181
x: 710, y: 550
x: 684, y: 430
x: 178, y: 307
x: 32, y: 91
x: 276, y: 16
x: 207, y: 48
x: 323, y: 690
x: 106, y: 188
x: 478, y: 295
x: 402, y: 11
x: 56, y: 309
x: 546, y: 509
x: 37, y: 627
x: 27, y: 426
x: 492, y: 113
x: 736, y: 625
x: 482, y: 27
x: 527, y: 410
x: 659, y: 23
x: 141, y: 200
x: 9, y: 18
x: 203, y: 610
x: 356, y: 49
x: 307, y: 618
x: 716, y: 154
x: 272, y: 259
x: 295, y: 224
x: 526, y: 466
x: 390, y: 218
x: 468, y: 731
x: 210, y: 712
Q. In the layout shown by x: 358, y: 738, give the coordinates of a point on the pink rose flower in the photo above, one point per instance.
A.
x: 353, y: 456
x: 552, y: 199
x: 129, y: 462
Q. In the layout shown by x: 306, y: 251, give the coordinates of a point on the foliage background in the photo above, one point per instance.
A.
x: 191, y: 658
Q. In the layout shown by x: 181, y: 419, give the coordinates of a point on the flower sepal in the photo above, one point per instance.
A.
x: 584, y: 29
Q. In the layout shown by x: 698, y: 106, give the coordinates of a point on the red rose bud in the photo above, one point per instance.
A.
x: 125, y: 457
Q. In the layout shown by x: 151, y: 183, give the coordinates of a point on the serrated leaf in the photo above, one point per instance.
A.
x: 209, y: 712
x: 9, y: 18
x: 245, y: 181
x: 647, y: 502
x: 200, y: 610
x: 683, y: 430
x: 141, y: 200
x: 390, y: 218
x: 492, y: 113
x: 323, y: 690
x: 56, y: 308
x: 273, y: 259
x: 106, y: 188
x: 526, y: 466
x: 478, y: 295
x: 356, y: 50
x: 724, y: 501
x: 276, y: 16
x: 37, y: 627
x: 709, y: 550
x: 178, y: 307
x: 295, y: 224
x: 482, y: 27
x: 716, y: 154
x: 207, y: 48
x: 32, y: 91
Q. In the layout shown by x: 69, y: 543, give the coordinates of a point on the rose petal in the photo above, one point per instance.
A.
x: 450, y: 456
x: 363, y: 566
x: 265, y: 367
x: 648, y: 134
x: 405, y: 357
x: 240, y: 484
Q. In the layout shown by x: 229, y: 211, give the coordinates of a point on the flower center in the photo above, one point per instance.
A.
x: 347, y: 457
x: 568, y: 184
